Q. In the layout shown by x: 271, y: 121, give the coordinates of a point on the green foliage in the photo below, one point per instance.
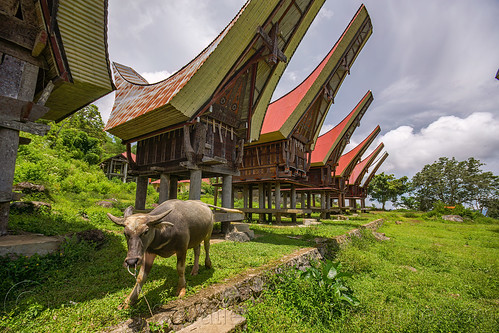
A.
x: 331, y: 278
x: 384, y: 188
x: 454, y: 182
x: 35, y: 268
x: 310, y: 301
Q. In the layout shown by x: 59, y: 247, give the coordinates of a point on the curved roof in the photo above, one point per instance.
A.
x: 77, y: 56
x: 141, y: 109
x: 283, y: 114
x: 349, y: 160
x: 337, y: 138
x: 373, y: 172
x: 361, y: 168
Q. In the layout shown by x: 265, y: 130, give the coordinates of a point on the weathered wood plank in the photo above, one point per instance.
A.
x: 29, y: 127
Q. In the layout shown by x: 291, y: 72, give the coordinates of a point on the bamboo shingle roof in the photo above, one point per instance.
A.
x: 320, y: 87
x: 348, y: 161
x: 141, y: 109
x: 331, y: 144
x: 362, y: 167
x: 76, y: 55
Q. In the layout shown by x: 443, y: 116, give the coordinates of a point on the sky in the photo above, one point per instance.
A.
x: 430, y: 64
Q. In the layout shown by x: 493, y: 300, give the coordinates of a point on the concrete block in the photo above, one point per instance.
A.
x: 222, y: 321
x: 28, y: 245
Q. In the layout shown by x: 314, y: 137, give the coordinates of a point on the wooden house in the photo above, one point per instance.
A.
x: 117, y: 167
x: 47, y: 71
x: 355, y: 191
x: 194, y: 124
x: 346, y: 165
x: 282, y: 154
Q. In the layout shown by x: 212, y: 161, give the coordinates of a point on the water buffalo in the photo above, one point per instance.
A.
x: 171, y: 228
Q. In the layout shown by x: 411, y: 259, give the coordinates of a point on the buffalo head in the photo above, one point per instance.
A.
x: 139, y: 232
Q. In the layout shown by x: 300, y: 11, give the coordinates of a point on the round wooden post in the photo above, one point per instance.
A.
x: 277, y: 194
x: 261, y: 202
x: 173, y: 187
x: 164, y: 186
x: 195, y: 184
x: 226, y: 199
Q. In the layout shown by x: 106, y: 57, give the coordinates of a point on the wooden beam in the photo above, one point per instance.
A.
x: 29, y: 127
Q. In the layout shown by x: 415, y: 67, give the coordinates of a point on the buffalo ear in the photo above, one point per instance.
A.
x: 155, y: 219
x: 128, y: 211
x: 118, y: 220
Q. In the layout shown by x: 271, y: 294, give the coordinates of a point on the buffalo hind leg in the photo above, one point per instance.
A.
x: 197, y: 252
x: 147, y: 262
x: 207, y: 260
x: 181, y: 273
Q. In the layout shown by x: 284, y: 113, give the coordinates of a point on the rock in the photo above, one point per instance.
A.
x: 237, y: 236
x: 453, y: 218
x: 104, y: 203
x: 241, y: 228
x: 29, y: 206
x: 410, y: 268
x: 27, y: 187
x: 398, y: 222
x: 380, y: 236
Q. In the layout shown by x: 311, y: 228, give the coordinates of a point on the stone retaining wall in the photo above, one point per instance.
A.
x: 182, y: 312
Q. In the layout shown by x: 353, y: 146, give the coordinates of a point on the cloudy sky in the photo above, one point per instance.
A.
x: 430, y: 64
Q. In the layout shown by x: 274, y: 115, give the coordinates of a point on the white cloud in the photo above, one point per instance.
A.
x: 450, y: 136
x: 153, y: 77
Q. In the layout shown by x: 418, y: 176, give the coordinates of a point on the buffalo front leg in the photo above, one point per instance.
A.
x: 181, y: 273
x: 147, y: 262
x: 197, y: 252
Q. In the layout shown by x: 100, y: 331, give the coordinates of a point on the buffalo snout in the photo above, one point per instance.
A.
x: 131, y: 262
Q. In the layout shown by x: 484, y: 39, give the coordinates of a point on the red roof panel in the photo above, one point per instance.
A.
x: 328, y: 141
x: 361, y: 168
x: 348, y: 161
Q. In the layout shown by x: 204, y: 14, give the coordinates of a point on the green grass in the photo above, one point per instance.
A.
x: 432, y: 276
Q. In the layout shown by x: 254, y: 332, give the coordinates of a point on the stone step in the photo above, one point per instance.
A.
x: 28, y: 245
x: 222, y: 321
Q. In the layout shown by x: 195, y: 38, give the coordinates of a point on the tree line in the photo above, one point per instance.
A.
x: 446, y: 181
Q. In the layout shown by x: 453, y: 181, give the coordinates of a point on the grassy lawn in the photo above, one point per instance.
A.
x: 432, y: 276
x: 80, y: 288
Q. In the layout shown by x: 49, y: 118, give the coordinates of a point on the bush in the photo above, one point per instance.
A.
x: 440, y: 208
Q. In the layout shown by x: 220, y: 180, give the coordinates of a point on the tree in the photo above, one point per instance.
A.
x: 384, y: 188
x: 454, y: 182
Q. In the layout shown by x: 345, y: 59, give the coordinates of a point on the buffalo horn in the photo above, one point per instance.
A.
x: 155, y: 219
x: 117, y: 220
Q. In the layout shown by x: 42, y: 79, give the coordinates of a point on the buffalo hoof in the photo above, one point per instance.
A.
x: 181, y: 292
x: 194, y: 271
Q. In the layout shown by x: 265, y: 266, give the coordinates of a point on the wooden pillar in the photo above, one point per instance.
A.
x: 125, y: 173
x: 328, y: 205
x: 341, y: 200
x: 164, y: 187
x: 277, y: 194
x: 18, y: 81
x: 9, y: 142
x: 309, y: 199
x: 250, y: 202
x: 302, y: 200
x: 293, y: 202
x: 226, y: 199
x: 269, y: 202
x: 261, y: 202
x: 245, y: 196
x: 353, y: 204
x: 284, y: 200
x: 141, y: 192
x: 195, y: 184
x: 173, y: 187
x: 323, y: 205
